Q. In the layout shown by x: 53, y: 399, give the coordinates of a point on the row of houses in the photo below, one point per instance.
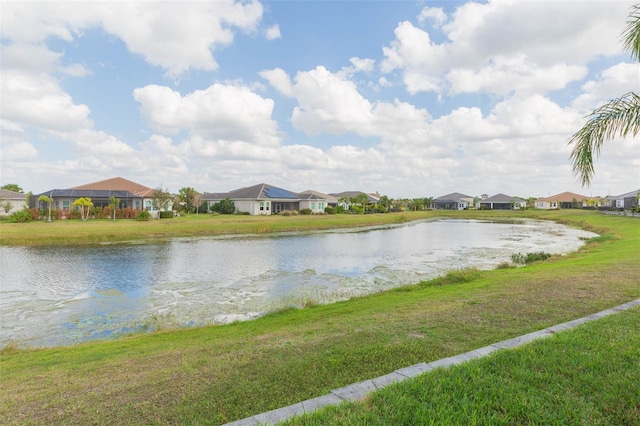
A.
x: 265, y: 199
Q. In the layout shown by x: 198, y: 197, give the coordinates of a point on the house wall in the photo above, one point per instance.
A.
x: 316, y: 206
x: 14, y: 206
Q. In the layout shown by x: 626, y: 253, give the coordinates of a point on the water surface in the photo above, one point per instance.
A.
x: 63, y: 295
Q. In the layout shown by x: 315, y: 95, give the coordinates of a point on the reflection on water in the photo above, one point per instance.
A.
x: 62, y: 295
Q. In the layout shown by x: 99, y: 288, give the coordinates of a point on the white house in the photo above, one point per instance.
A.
x: 11, y: 201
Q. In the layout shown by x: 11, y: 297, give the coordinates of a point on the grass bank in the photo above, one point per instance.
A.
x: 96, y: 231
x: 216, y: 374
x: 586, y: 376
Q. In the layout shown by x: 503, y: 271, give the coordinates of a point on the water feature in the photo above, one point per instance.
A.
x: 62, y: 295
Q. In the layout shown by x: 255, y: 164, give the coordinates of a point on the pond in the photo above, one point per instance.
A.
x: 53, y: 296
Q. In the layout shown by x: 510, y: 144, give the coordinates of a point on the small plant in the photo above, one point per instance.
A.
x: 20, y: 216
x: 144, y: 215
x: 305, y: 211
x: 524, y: 259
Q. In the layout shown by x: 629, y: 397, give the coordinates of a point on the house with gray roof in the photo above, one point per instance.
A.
x: 625, y: 201
x: 11, y: 201
x: 502, y: 202
x: 265, y: 199
x: 453, y: 201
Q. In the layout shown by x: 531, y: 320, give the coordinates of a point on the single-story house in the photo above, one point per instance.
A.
x: 454, y: 201
x: 316, y: 201
x: 131, y: 194
x: 564, y: 200
x: 345, y: 196
x: 11, y: 201
x: 265, y: 199
x: 625, y: 201
x: 502, y: 202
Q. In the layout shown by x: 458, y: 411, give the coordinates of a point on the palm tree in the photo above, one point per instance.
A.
x: 619, y: 116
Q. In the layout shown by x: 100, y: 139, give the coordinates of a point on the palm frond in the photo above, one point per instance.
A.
x: 631, y: 34
x: 618, y: 117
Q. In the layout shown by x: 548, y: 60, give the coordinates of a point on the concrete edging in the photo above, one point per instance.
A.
x: 357, y: 391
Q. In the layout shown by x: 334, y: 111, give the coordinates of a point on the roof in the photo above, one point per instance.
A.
x: 452, y: 197
x: 118, y: 184
x: 90, y: 193
x: 261, y: 191
x: 500, y: 198
x: 354, y: 194
x: 632, y: 194
x: 12, y: 195
x: 564, y: 197
x: 310, y: 194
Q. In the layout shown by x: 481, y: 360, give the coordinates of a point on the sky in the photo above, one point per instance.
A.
x: 405, y: 98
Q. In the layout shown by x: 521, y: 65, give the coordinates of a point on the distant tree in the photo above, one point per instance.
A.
x: 12, y: 187
x: 161, y: 198
x: 618, y: 117
x: 113, y: 203
x: 416, y: 204
x: 197, y: 201
x: 363, y: 200
x: 188, y: 198
x: 427, y: 202
x: 225, y: 206
x: 49, y: 201
x: 384, y: 202
x: 27, y: 200
x: 84, y: 205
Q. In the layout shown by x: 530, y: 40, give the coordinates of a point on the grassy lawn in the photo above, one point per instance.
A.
x: 216, y: 374
x: 585, y: 376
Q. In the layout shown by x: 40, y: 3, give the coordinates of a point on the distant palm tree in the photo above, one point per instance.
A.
x: 619, y: 116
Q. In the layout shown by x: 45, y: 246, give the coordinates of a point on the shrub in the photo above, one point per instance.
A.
x: 20, y: 216
x: 286, y: 213
x: 305, y: 211
x: 166, y: 215
x: 144, y: 215
x: 330, y: 210
x: 340, y: 209
x: 523, y: 259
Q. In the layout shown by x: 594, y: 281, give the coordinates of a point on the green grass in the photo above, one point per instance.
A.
x: 96, y: 231
x: 585, y: 376
x: 216, y: 374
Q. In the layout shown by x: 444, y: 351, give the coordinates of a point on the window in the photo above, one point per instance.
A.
x: 65, y: 205
x: 261, y: 205
x: 147, y: 205
x: 138, y: 204
x: 268, y: 203
x: 320, y: 206
x: 313, y: 206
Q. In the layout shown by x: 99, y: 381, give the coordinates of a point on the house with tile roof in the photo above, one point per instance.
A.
x: 453, y: 201
x: 131, y: 195
x: 265, y: 199
x: 564, y: 200
x: 502, y: 202
x: 11, y: 201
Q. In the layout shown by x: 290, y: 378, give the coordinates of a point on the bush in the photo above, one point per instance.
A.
x: 225, y: 206
x: 523, y: 259
x: 340, y: 209
x: 286, y: 213
x: 330, y: 210
x: 166, y: 215
x: 305, y: 211
x: 144, y: 215
x: 20, y: 216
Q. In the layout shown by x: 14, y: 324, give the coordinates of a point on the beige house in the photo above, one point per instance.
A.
x: 564, y: 200
x: 11, y: 201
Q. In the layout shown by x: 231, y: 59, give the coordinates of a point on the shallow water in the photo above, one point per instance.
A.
x: 63, y: 295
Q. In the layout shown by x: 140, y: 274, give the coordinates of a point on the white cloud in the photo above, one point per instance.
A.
x: 168, y: 34
x: 434, y: 14
x: 220, y: 112
x: 493, y: 46
x: 273, y: 32
x: 613, y: 82
x: 37, y: 100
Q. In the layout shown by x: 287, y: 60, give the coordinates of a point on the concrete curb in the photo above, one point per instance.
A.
x: 359, y: 390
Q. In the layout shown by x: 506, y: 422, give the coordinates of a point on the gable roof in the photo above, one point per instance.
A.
x: 631, y: 194
x: 354, y: 194
x: 261, y: 191
x: 565, y: 197
x: 452, y: 197
x: 12, y: 195
x: 117, y: 184
x: 310, y: 194
x: 501, y: 198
